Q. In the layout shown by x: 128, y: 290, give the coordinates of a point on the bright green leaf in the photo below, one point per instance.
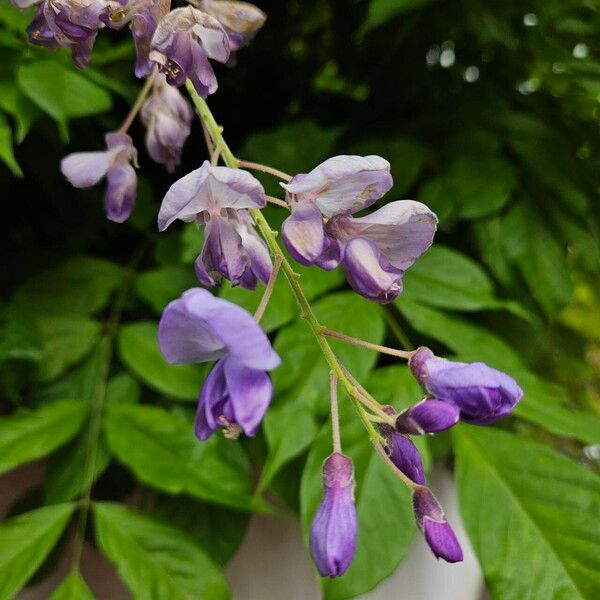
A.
x: 31, y: 434
x: 25, y: 541
x: 6, y: 148
x: 162, y: 451
x: 531, y: 515
x: 73, y: 587
x: 156, y: 561
x: 138, y: 348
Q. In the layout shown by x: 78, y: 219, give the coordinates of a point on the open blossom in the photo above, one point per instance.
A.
x: 168, y: 119
x: 85, y: 169
x: 334, y: 528
x: 184, y: 40
x: 375, y: 250
x: 198, y: 327
x: 481, y: 394
x: 218, y: 198
x: 241, y: 20
x: 432, y: 522
x: 71, y: 24
x: 142, y: 16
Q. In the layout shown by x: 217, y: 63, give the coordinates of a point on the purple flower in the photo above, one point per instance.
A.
x: 432, y: 522
x: 218, y: 197
x: 142, y: 16
x: 198, y: 328
x: 241, y: 20
x: 168, y: 119
x: 482, y: 394
x: 375, y: 250
x: 183, y: 42
x: 72, y: 24
x: 403, y: 453
x: 334, y: 528
x: 85, y: 169
x: 428, y: 416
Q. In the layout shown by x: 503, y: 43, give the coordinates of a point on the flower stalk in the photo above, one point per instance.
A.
x: 364, y: 344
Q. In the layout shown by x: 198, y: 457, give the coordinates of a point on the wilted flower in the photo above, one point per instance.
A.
x: 376, y: 249
x: 183, y: 42
x: 196, y: 328
x: 72, y: 24
x: 217, y: 197
x: 431, y: 520
x: 168, y: 118
x: 402, y: 452
x: 142, y: 16
x: 482, y: 394
x: 241, y: 20
x: 85, y: 169
x: 334, y: 528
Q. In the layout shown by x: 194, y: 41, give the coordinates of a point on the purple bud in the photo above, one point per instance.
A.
x: 168, y: 118
x: 334, y: 528
x: 482, y: 394
x: 184, y: 40
x: 402, y: 452
x: 428, y: 416
x: 85, y: 169
x: 431, y: 520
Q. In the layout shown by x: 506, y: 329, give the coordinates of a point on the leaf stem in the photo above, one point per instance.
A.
x: 364, y: 344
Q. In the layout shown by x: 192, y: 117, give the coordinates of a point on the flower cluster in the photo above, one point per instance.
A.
x: 323, y: 229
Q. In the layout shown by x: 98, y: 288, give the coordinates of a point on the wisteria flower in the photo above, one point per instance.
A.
x: 334, y: 529
x: 403, y: 453
x: 85, y: 169
x: 142, y: 16
x: 431, y: 520
x: 198, y: 327
x: 218, y: 198
x: 168, y: 119
x: 71, y: 24
x: 183, y: 42
x: 481, y: 394
x: 241, y: 20
x: 375, y: 250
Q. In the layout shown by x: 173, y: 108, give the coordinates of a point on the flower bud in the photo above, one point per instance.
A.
x: 431, y: 520
x: 334, y: 528
x: 428, y: 416
x: 482, y: 394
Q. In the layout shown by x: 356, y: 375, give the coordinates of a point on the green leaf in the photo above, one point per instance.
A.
x: 61, y: 92
x: 154, y: 560
x: 445, y: 278
x: 20, y: 339
x: 162, y: 451
x: 472, y: 342
x: 302, y: 387
x: 386, y: 524
x: 138, y: 349
x: 220, y: 531
x: 80, y: 285
x: 28, y: 435
x: 531, y: 515
x: 16, y: 104
x: 66, y: 339
x: 471, y: 187
x: 73, y: 587
x: 6, y: 148
x: 25, y: 541
x: 159, y: 286
x: 382, y: 11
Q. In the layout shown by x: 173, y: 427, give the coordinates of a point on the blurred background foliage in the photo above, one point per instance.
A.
x: 488, y: 112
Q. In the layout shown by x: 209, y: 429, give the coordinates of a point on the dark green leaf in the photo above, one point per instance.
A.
x: 28, y: 435
x: 25, y: 541
x: 160, y: 286
x: 156, y: 561
x: 162, y: 451
x: 16, y: 104
x: 6, y: 148
x: 381, y: 11
x: 531, y: 514
x: 138, y: 348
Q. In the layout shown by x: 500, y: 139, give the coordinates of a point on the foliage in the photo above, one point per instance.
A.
x: 487, y: 115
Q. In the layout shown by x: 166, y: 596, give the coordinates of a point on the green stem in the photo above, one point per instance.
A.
x: 292, y: 277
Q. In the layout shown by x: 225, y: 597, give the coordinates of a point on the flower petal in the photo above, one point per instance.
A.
x: 121, y: 188
x: 213, y: 397
x: 428, y: 416
x: 303, y: 233
x: 85, y: 169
